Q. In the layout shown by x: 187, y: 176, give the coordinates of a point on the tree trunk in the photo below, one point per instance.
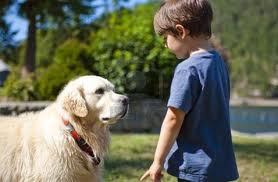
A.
x: 30, y: 54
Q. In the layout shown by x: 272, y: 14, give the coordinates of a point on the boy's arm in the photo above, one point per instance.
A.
x: 168, y: 134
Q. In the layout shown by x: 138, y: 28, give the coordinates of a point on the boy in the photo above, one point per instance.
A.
x: 196, y: 132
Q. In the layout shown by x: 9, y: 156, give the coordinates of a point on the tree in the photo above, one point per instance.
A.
x: 51, y: 13
x: 45, y: 14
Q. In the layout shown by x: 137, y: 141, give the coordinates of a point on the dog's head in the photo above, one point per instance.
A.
x: 94, y: 98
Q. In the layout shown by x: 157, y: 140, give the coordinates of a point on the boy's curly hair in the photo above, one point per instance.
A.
x: 194, y: 15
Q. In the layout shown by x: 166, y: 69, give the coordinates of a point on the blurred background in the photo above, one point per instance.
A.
x: 44, y: 44
x: 115, y: 39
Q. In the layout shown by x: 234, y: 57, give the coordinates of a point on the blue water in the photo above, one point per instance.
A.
x: 254, y: 119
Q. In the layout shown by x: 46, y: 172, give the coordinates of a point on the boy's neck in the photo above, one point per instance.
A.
x: 199, y: 44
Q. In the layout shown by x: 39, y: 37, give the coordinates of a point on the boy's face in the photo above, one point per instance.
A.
x: 176, y: 45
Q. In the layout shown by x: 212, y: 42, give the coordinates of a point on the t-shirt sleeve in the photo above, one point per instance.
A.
x: 183, y: 91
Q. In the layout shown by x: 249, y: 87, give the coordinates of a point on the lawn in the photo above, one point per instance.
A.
x: 131, y: 154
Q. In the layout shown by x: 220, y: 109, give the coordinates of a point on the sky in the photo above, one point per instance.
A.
x: 20, y: 25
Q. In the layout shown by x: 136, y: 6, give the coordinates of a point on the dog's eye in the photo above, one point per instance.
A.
x: 99, y: 91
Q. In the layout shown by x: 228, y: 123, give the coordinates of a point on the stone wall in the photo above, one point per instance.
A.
x: 15, y: 108
x: 145, y: 114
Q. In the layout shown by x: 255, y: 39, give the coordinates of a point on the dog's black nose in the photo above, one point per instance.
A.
x: 125, y: 101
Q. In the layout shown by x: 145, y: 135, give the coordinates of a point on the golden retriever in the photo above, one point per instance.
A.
x: 42, y: 146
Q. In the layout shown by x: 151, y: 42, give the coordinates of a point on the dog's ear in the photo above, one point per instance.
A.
x: 73, y: 102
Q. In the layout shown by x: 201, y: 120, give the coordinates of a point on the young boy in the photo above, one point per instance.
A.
x: 196, y: 132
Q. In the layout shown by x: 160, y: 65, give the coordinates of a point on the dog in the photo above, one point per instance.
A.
x: 66, y: 141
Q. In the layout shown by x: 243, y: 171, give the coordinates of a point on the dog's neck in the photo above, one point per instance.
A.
x: 95, y: 133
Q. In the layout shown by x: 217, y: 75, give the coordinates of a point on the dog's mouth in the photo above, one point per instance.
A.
x: 121, y: 115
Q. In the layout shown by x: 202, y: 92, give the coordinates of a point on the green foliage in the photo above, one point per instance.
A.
x: 122, y: 47
x: 249, y: 30
x: 126, y: 51
x: 16, y: 88
x: 47, y: 43
x: 42, y: 15
x: 70, y: 60
x: 135, y: 62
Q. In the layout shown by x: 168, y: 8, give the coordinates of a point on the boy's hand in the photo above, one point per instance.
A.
x: 154, y: 173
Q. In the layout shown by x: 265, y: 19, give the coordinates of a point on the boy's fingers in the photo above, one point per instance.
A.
x: 158, y: 177
x: 145, y: 176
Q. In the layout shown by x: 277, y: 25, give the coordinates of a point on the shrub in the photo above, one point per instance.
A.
x: 16, y: 88
x: 71, y: 60
x: 127, y: 52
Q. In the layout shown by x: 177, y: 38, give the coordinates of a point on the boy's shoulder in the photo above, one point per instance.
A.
x: 201, y: 60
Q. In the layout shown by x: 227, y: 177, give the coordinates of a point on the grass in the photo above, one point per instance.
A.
x: 131, y: 154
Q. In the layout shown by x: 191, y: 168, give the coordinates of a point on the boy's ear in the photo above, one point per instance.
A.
x: 183, y: 32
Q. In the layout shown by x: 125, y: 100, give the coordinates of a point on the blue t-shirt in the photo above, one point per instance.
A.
x: 203, y: 150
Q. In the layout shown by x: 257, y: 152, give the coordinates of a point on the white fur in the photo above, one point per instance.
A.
x: 37, y: 147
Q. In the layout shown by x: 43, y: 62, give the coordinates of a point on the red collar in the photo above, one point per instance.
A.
x: 81, y: 142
